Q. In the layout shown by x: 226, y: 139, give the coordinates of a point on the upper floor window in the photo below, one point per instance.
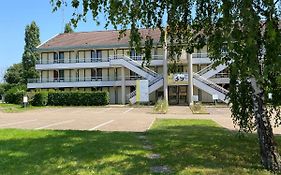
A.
x: 56, y: 57
x: 61, y: 57
x: 96, y: 54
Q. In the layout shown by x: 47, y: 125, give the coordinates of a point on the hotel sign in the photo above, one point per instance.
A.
x: 142, y: 91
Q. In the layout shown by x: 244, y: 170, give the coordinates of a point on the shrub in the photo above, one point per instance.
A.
x: 78, y: 98
x: 15, y: 95
x: 161, y: 106
x: 40, y: 99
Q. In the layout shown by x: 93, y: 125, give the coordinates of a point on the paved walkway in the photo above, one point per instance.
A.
x: 110, y: 118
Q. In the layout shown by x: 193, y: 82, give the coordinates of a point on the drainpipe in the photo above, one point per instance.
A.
x: 190, y: 79
x: 165, y: 68
x: 123, y: 86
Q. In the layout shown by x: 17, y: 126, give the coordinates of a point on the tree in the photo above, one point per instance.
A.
x: 67, y: 28
x: 30, y: 56
x: 244, y: 34
x: 14, y: 74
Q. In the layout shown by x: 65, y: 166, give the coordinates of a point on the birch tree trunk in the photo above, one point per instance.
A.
x: 270, y: 157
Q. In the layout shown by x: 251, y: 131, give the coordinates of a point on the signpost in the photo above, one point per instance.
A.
x: 142, y: 91
x: 215, y: 98
x: 25, y: 101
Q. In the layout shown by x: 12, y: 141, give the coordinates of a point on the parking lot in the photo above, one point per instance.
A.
x: 110, y: 118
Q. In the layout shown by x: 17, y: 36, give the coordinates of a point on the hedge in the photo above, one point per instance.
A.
x: 40, y: 99
x: 15, y: 94
x: 14, y: 97
x: 98, y: 98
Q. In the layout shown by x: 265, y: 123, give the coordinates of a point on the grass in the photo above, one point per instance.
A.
x: 186, y: 146
x: 12, y: 108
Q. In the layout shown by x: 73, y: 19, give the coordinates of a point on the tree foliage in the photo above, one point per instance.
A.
x: 68, y: 28
x: 14, y: 74
x: 30, y: 56
x: 244, y: 34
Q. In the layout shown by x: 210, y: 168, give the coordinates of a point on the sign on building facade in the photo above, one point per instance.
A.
x: 142, y: 91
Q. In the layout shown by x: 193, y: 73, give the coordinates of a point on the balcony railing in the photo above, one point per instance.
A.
x: 92, y: 60
x: 81, y: 79
x: 200, y: 55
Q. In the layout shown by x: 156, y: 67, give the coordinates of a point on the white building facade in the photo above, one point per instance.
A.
x: 91, y: 61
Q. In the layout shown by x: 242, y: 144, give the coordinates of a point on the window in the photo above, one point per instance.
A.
x: 98, y: 54
x: 61, y: 57
x: 56, y: 75
x: 96, y: 74
x: 61, y: 75
x: 55, y: 57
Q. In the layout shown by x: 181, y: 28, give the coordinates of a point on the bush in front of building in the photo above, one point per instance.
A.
x: 77, y: 98
x: 15, y: 95
x: 40, y: 99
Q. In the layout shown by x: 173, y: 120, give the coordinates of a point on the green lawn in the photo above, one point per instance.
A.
x: 9, y: 108
x: 186, y: 146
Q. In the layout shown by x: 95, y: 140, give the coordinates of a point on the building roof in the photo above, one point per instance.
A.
x: 96, y: 39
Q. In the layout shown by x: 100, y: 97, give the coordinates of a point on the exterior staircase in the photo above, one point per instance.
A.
x: 155, y: 80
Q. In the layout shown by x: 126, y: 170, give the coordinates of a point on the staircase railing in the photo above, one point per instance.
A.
x: 205, y: 69
x: 131, y: 61
x: 210, y: 83
x: 132, y: 94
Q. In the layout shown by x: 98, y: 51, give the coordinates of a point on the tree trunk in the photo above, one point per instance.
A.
x: 270, y: 157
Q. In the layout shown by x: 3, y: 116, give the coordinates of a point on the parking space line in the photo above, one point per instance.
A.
x: 103, y: 124
x: 151, y: 124
x: 16, y: 123
x: 105, y: 110
x: 55, y: 124
x: 127, y: 110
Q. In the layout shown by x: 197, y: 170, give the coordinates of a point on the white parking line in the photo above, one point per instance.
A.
x: 103, y: 124
x: 127, y: 110
x: 105, y: 110
x: 55, y: 124
x: 16, y: 123
x: 151, y: 124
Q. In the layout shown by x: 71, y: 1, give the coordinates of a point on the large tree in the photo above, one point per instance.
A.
x: 14, y: 74
x: 245, y: 34
x: 30, y: 56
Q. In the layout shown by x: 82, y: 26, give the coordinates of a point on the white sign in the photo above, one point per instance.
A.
x: 195, y: 98
x: 215, y: 97
x: 25, y: 99
x: 270, y: 96
x: 142, y: 94
x: 180, y: 77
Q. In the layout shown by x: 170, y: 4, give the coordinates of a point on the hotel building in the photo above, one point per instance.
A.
x: 91, y: 61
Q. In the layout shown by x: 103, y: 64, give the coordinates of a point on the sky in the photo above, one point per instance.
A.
x: 15, y: 15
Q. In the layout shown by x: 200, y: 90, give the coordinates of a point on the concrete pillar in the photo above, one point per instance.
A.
x: 123, y: 85
x: 190, y: 79
x: 165, y: 69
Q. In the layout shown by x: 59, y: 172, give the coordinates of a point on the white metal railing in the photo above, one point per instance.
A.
x: 81, y: 79
x: 92, y: 60
x: 205, y: 69
x: 210, y: 83
x: 199, y: 55
x: 134, y: 63
x: 132, y: 94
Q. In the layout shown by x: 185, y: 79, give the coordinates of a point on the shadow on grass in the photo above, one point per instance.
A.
x: 188, y: 147
x: 70, y: 152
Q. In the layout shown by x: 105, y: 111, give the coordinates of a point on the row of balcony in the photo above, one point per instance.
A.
x: 198, y: 58
x: 92, y: 60
x: 81, y: 79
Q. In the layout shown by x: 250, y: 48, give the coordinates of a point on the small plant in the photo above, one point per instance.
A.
x: 198, y: 108
x: 161, y: 106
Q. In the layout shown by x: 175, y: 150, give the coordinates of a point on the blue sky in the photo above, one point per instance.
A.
x: 15, y: 15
